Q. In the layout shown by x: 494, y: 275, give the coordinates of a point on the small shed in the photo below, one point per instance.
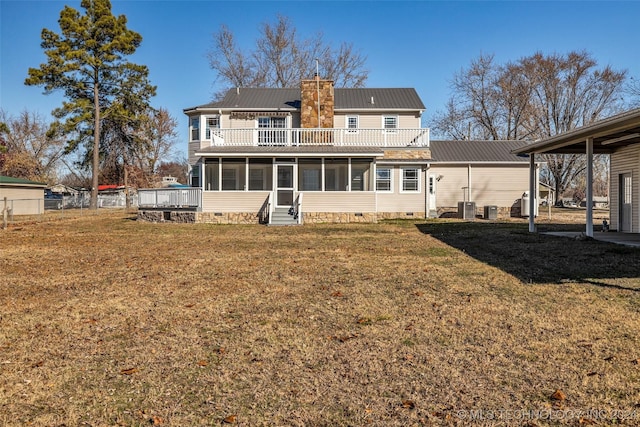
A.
x: 23, y: 197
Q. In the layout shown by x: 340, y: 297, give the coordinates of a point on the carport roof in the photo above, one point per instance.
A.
x: 608, y: 135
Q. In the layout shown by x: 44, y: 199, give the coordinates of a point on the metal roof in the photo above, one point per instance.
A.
x: 288, y: 99
x: 476, y: 151
x: 608, y: 135
x: 7, y: 180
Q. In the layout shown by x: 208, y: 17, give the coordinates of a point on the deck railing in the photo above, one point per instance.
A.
x: 418, y: 137
x: 169, y: 198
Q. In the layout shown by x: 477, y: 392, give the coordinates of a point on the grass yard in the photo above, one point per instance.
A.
x: 106, y: 321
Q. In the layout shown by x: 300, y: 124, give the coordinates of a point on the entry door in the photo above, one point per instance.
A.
x: 626, y: 191
x: 432, y: 192
x: 284, y: 186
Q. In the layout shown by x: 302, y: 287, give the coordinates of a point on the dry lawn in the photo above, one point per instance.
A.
x: 106, y: 321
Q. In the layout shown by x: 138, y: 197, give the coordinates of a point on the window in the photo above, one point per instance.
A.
x: 310, y: 174
x: 211, y: 172
x: 260, y: 174
x: 335, y: 174
x: 195, y: 175
x: 360, y: 174
x: 212, y: 123
x: 410, y: 179
x: 195, y: 128
x: 269, y: 132
x: 390, y: 123
x: 352, y: 124
x: 233, y: 174
x: 383, y: 179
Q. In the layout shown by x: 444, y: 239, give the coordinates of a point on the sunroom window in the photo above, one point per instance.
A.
x: 260, y: 174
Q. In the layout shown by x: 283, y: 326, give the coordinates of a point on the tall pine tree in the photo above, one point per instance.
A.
x: 87, y: 61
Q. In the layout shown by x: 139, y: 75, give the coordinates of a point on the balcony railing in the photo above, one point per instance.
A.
x: 416, y: 137
x: 182, y: 198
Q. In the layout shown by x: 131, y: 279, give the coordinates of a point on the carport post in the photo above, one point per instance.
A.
x: 589, y: 230
x: 532, y: 192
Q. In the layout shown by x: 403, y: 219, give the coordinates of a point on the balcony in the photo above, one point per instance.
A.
x: 293, y: 137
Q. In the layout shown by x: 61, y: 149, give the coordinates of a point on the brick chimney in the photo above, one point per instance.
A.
x: 309, y: 92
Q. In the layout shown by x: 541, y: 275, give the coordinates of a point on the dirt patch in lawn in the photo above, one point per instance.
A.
x: 107, y: 321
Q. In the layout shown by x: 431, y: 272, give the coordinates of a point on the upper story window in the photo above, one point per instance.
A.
x: 268, y: 130
x: 212, y: 123
x: 194, y: 127
x: 352, y: 124
x: 390, y: 124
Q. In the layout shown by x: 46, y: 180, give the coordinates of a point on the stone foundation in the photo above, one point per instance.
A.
x: 252, y: 218
x: 228, y: 218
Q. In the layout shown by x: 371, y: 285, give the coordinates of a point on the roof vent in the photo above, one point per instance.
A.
x: 372, y: 102
x: 237, y: 91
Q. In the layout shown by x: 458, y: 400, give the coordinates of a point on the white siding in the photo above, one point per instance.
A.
x: 625, y: 160
x: 397, y: 201
x: 233, y: 201
x: 339, y: 201
x: 23, y: 201
x: 490, y: 185
x: 374, y: 120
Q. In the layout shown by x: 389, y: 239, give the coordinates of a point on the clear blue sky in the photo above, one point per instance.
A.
x: 418, y: 44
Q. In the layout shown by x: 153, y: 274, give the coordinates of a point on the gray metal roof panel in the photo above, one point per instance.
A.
x: 288, y: 99
x: 476, y: 151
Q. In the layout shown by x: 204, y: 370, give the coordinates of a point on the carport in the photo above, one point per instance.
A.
x: 618, y: 136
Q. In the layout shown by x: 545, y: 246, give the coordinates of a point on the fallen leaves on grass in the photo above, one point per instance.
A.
x: 129, y: 371
x: 344, y: 338
x: 156, y: 421
x: 230, y: 419
x: 558, y: 395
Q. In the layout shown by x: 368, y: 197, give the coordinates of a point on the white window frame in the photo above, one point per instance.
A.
x: 207, y: 127
x: 403, y: 179
x: 390, y: 169
x: 394, y: 129
x: 192, y: 121
x: 347, y: 124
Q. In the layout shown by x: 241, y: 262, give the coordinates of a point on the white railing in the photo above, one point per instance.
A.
x: 169, y: 197
x: 416, y: 137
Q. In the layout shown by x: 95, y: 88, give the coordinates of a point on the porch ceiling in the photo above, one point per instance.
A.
x: 608, y: 135
x: 288, y: 151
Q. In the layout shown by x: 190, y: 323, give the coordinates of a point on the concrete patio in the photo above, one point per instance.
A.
x: 627, y: 239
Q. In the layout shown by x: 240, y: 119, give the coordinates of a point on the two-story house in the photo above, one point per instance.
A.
x: 310, y: 154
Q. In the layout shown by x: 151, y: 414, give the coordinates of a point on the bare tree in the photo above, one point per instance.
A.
x: 633, y: 90
x: 159, y: 135
x: 33, y: 151
x: 533, y: 98
x: 281, y: 59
